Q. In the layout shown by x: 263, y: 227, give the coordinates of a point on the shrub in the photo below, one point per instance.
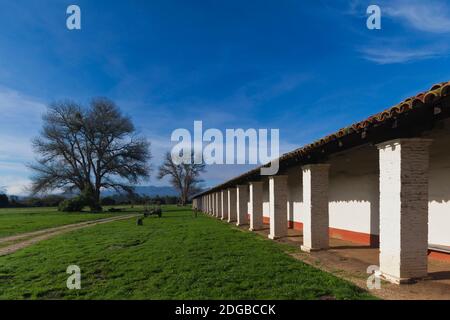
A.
x: 108, y: 201
x: 72, y: 205
x: 4, y: 201
x: 46, y: 201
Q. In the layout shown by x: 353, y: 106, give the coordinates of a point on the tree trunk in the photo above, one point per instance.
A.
x: 95, y: 206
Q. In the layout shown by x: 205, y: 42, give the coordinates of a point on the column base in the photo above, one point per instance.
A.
x: 231, y: 221
x: 255, y: 229
x: 272, y: 237
x: 397, y: 280
x: 308, y: 249
x: 240, y: 224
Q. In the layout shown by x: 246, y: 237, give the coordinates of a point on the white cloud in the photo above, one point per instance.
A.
x: 15, y: 148
x: 19, y: 109
x: 20, y: 121
x: 15, y: 185
x: 429, y: 16
x: 394, y: 54
x: 423, y: 21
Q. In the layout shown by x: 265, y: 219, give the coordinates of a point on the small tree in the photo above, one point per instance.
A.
x: 184, y: 177
x: 89, y: 149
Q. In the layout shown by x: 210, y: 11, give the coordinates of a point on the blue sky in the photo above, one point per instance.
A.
x: 305, y: 67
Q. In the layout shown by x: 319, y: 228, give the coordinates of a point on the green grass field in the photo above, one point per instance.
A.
x: 21, y: 220
x: 173, y: 257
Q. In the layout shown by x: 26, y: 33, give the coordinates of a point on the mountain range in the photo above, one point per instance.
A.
x: 150, y: 191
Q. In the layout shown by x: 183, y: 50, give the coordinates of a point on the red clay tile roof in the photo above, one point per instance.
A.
x: 429, y: 97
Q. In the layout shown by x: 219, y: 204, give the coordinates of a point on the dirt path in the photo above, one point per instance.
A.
x: 36, y: 236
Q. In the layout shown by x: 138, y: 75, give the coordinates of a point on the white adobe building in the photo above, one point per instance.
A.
x: 384, y: 181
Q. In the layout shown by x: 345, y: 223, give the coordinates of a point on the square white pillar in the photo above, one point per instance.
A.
x: 219, y: 205
x: 211, y: 205
x: 242, y: 205
x: 256, y: 203
x: 278, y: 190
x: 216, y: 205
x: 315, y: 200
x: 404, y: 167
x: 232, y: 206
x: 224, y: 196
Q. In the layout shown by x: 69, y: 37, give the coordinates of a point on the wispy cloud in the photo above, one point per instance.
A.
x: 429, y: 16
x: 20, y: 121
x: 19, y: 108
x: 392, y: 54
x: 15, y: 185
x: 423, y: 21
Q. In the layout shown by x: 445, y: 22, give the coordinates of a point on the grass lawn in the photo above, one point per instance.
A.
x: 20, y: 220
x: 175, y: 257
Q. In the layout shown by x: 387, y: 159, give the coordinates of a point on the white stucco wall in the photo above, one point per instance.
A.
x: 354, y: 189
x: 439, y: 185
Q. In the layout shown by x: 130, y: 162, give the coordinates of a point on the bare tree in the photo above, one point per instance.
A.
x: 183, y: 177
x: 88, y: 149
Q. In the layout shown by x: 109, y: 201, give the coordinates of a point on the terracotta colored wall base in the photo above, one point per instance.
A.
x: 371, y: 240
x: 441, y: 256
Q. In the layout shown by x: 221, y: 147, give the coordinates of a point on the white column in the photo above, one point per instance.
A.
x: 216, y: 197
x: 256, y: 203
x: 232, y: 205
x: 315, y: 200
x: 278, y: 206
x: 404, y: 209
x: 219, y: 205
x: 242, y: 205
x: 224, y: 196
x: 210, y: 203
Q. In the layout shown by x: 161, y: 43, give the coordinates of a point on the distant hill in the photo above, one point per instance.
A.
x: 150, y: 191
x: 156, y: 191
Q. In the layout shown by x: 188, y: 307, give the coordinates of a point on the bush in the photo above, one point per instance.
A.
x: 4, y: 201
x: 46, y: 201
x: 72, y: 205
x: 108, y: 201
